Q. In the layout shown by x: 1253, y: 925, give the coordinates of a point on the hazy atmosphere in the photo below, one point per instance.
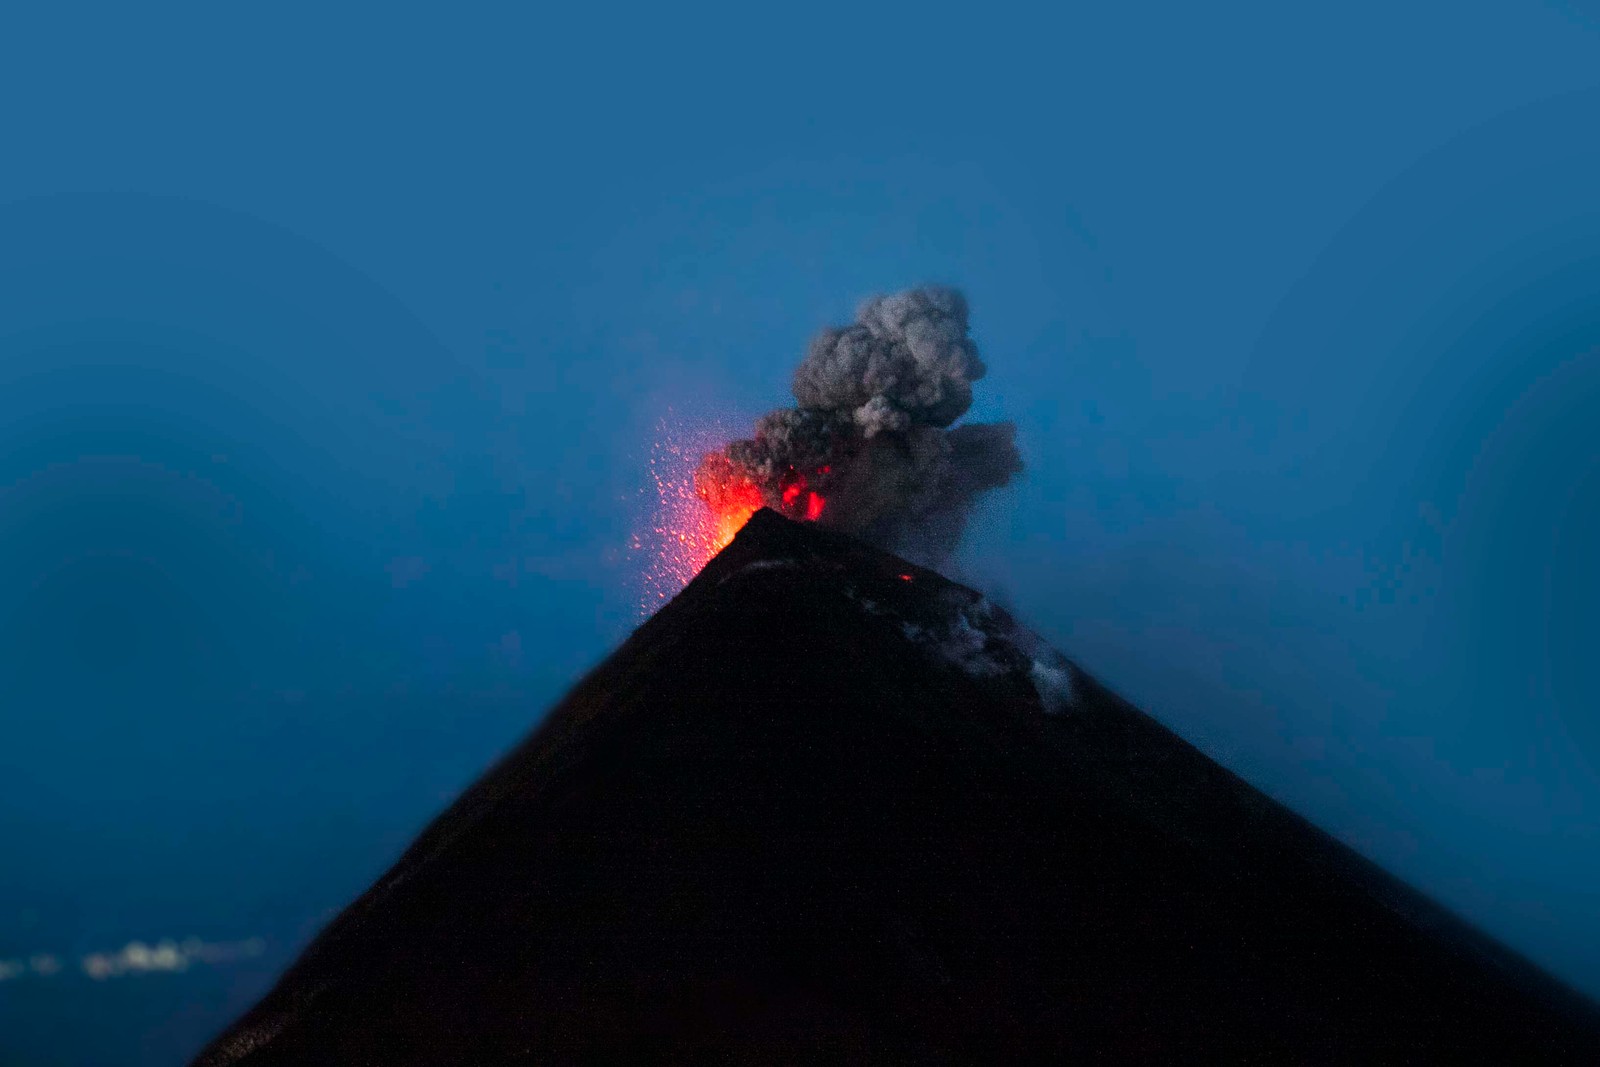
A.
x: 335, y: 351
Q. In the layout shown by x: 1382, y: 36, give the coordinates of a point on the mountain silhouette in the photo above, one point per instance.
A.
x: 827, y: 806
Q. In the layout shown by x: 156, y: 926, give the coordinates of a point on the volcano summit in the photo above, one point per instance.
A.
x: 826, y: 805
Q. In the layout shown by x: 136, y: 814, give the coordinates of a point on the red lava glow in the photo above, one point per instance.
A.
x: 692, y: 519
x: 730, y: 516
x: 905, y: 577
x: 686, y: 525
x: 796, y: 489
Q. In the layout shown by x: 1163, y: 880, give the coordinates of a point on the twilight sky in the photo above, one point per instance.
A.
x: 334, y: 345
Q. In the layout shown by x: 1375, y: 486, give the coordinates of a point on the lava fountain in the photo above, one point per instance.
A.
x: 690, y: 519
x: 870, y: 447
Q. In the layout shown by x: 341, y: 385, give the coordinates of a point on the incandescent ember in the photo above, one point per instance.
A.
x: 869, y: 447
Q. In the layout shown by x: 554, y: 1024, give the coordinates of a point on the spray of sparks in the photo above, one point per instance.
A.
x: 685, y: 528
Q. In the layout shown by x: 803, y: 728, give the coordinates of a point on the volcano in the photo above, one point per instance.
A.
x: 829, y: 806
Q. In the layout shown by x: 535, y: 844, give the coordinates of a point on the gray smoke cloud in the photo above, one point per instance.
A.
x: 870, y: 447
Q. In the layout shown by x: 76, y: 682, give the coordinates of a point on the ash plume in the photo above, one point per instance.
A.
x: 870, y: 447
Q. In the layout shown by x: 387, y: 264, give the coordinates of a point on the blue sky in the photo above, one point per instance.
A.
x: 333, y: 345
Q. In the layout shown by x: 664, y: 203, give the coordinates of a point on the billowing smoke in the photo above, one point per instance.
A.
x: 870, y: 447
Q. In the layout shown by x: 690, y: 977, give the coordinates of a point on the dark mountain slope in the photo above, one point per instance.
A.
x: 825, y: 806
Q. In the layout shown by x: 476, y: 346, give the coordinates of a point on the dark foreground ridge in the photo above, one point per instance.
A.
x: 828, y: 806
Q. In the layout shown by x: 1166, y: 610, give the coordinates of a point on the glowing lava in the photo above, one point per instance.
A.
x: 729, y: 517
x: 689, y: 522
x: 702, y: 501
x: 797, y: 499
